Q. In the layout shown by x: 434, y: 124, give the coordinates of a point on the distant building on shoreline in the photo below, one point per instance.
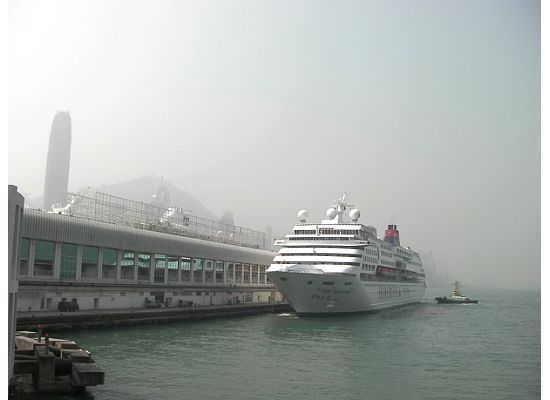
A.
x: 59, y: 159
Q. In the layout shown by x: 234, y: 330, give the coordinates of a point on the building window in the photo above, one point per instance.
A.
x: 197, y: 269
x: 90, y: 256
x: 172, y: 268
x: 109, y: 263
x: 238, y: 273
x: 172, y: 262
x: 68, y: 261
x: 219, y: 271
x: 246, y: 269
x: 44, y: 253
x: 24, y: 258
x: 209, y: 271
x: 186, y: 269
x: 127, y: 265
x: 144, y: 266
x: 160, y: 264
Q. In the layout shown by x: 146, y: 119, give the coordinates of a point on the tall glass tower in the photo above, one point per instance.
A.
x: 59, y: 159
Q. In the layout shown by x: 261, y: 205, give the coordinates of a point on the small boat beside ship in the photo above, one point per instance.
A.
x: 456, y: 298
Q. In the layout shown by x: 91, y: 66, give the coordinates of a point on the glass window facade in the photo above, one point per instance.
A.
x: 127, y: 265
x: 209, y: 271
x: 160, y: 264
x: 68, y: 261
x: 238, y: 273
x: 144, y: 260
x: 90, y: 256
x: 197, y: 270
x: 44, y: 253
x: 24, y: 257
x: 185, y: 269
x: 144, y: 265
x: 219, y: 272
x: 109, y: 263
x: 254, y: 273
x: 172, y: 262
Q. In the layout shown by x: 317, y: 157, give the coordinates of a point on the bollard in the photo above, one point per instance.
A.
x: 39, y: 333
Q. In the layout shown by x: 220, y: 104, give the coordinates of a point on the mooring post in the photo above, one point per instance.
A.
x: 46, y: 366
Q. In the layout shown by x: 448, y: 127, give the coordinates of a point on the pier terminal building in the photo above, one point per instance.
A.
x: 106, y: 252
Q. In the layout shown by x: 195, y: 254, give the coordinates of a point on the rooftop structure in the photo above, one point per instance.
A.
x: 111, y: 209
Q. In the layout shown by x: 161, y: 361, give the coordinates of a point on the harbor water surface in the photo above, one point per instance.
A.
x: 489, y: 350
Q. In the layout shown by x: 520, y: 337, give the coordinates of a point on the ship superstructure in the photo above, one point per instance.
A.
x: 340, y: 266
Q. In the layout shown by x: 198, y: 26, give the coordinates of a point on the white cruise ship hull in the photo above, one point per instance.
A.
x: 314, y: 293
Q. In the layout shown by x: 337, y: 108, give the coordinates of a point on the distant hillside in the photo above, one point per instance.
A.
x: 142, y: 189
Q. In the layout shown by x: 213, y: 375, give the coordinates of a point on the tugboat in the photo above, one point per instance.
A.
x: 456, y: 298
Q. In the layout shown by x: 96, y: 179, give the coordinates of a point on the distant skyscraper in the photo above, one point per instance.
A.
x: 59, y: 159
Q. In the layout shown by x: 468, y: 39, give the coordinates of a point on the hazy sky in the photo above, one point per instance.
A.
x: 427, y: 113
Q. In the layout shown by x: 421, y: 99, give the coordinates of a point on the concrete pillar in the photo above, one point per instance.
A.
x: 79, y: 251
x: 192, y: 270
x: 180, y: 264
x: 233, y: 277
x: 242, y: 274
x: 16, y: 203
x: 100, y: 264
x: 225, y: 272
x: 203, y: 272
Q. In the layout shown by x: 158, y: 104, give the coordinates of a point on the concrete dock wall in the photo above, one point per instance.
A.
x: 56, y: 321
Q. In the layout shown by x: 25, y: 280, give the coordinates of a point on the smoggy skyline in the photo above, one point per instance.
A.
x: 427, y: 113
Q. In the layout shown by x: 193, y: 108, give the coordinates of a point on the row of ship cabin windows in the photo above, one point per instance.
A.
x: 165, y: 268
x: 319, y: 238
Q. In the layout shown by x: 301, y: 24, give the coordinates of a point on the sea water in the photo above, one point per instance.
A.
x: 489, y: 350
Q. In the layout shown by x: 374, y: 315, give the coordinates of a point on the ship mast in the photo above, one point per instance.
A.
x: 340, y: 207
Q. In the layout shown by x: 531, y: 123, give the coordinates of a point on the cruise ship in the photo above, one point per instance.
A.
x: 341, y: 266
